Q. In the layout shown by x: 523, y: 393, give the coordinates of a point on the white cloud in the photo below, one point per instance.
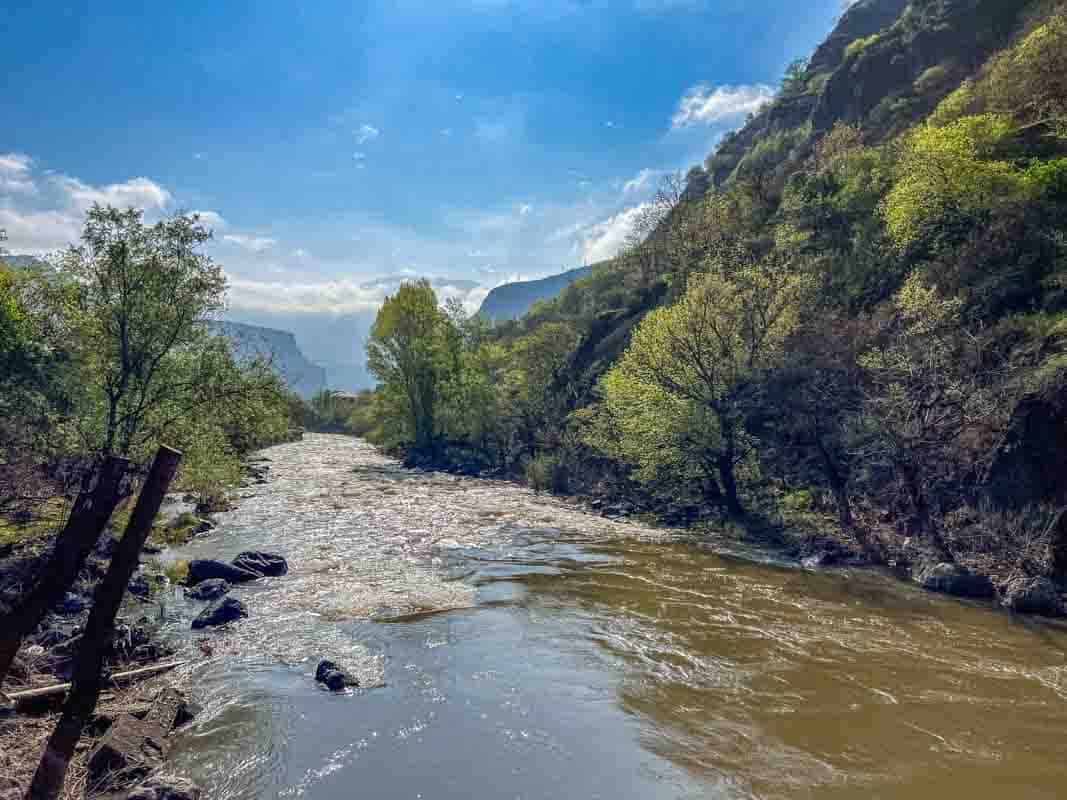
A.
x: 607, y: 239
x: 525, y: 210
x: 254, y: 244
x: 706, y: 105
x: 211, y: 219
x: 15, y: 173
x: 136, y: 193
x: 366, y: 133
x: 641, y: 182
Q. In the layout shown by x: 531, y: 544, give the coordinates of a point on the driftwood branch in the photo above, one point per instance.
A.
x: 62, y: 688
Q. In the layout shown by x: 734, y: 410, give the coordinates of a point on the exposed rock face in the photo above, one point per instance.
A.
x: 132, y: 748
x: 513, y: 300
x: 862, y: 19
x: 335, y: 678
x: 253, y: 341
x: 1029, y: 467
x: 227, y: 609
x: 954, y: 580
x: 266, y: 564
x: 203, y: 569
x: 211, y: 589
x: 1028, y: 595
x: 165, y: 787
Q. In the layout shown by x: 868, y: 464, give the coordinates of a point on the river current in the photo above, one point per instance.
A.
x: 510, y: 646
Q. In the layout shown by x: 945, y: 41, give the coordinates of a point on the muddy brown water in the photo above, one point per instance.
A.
x: 511, y: 646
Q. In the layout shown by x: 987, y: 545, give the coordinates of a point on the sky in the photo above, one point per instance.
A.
x: 329, y: 144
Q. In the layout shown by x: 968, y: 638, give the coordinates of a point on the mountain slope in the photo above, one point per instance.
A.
x: 513, y: 300
x: 253, y: 341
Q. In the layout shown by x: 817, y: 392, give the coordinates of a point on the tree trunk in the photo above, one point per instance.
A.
x: 96, y: 641
x: 91, y: 512
x: 729, y: 486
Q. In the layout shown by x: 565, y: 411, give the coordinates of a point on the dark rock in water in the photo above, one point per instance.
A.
x: 227, y: 609
x: 72, y: 604
x: 1027, y: 595
x: 211, y: 589
x: 187, y: 712
x: 139, y: 586
x: 335, y: 678
x: 203, y: 526
x: 954, y: 580
x: 204, y: 569
x: 165, y: 787
x: 267, y: 564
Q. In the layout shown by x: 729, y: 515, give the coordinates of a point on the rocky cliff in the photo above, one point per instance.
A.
x: 253, y: 341
x: 513, y: 300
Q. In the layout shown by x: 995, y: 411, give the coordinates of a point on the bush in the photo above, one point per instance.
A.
x: 545, y: 473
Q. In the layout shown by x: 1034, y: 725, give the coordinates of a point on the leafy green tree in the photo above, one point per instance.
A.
x: 674, y: 399
x: 135, y: 306
x: 408, y: 351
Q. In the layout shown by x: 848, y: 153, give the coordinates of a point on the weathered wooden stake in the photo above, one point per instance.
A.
x: 86, y: 522
x: 89, y: 664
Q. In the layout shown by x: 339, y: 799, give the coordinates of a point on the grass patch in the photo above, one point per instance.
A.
x: 44, y: 519
x: 178, y: 531
x: 176, y: 571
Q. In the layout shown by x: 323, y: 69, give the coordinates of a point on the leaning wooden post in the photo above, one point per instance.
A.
x: 86, y: 522
x: 96, y: 641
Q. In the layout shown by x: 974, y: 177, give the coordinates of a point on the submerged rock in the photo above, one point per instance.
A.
x: 204, y: 569
x: 211, y: 589
x: 335, y: 678
x: 72, y: 603
x: 266, y: 564
x: 955, y: 580
x: 1027, y: 595
x: 228, y: 609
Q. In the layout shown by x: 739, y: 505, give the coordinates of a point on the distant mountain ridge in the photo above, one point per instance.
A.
x: 514, y: 300
x: 252, y: 341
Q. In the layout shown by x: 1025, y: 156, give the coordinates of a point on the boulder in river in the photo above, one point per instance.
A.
x: 955, y: 580
x: 335, y: 678
x: 266, y: 564
x: 227, y: 609
x: 211, y: 589
x: 165, y: 787
x: 1028, y: 595
x: 204, y: 569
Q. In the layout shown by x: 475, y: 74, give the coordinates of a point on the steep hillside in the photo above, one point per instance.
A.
x: 513, y: 300
x: 253, y: 341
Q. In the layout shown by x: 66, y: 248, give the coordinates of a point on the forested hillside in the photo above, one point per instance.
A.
x: 854, y: 310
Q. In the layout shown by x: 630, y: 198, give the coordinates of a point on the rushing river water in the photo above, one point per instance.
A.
x: 511, y: 646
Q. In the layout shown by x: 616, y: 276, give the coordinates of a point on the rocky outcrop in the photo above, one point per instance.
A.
x: 204, y: 569
x: 133, y: 748
x: 1028, y: 468
x: 955, y: 580
x: 220, y: 612
x: 280, y: 348
x: 265, y: 564
x: 211, y: 589
x: 1029, y: 595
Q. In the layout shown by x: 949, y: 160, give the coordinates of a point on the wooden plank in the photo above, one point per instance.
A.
x: 63, y: 688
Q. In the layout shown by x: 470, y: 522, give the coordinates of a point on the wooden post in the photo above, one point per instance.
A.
x: 89, y: 664
x: 87, y: 520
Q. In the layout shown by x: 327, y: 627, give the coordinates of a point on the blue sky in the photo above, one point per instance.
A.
x: 335, y: 142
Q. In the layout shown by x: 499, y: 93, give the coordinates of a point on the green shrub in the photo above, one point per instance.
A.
x: 545, y: 473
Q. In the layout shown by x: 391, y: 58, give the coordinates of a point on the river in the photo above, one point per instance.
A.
x: 511, y: 646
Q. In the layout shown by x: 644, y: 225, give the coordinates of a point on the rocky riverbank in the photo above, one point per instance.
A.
x: 109, y: 758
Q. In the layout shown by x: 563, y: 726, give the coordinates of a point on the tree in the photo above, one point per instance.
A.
x: 674, y: 396
x: 135, y: 309
x: 407, y: 351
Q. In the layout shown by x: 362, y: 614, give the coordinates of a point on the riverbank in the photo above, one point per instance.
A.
x: 47, y: 655
x: 1017, y: 561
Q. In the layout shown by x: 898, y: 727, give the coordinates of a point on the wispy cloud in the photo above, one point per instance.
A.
x: 706, y: 105
x: 253, y: 244
x: 15, y: 173
x: 367, y: 133
x: 641, y: 182
x: 212, y: 219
